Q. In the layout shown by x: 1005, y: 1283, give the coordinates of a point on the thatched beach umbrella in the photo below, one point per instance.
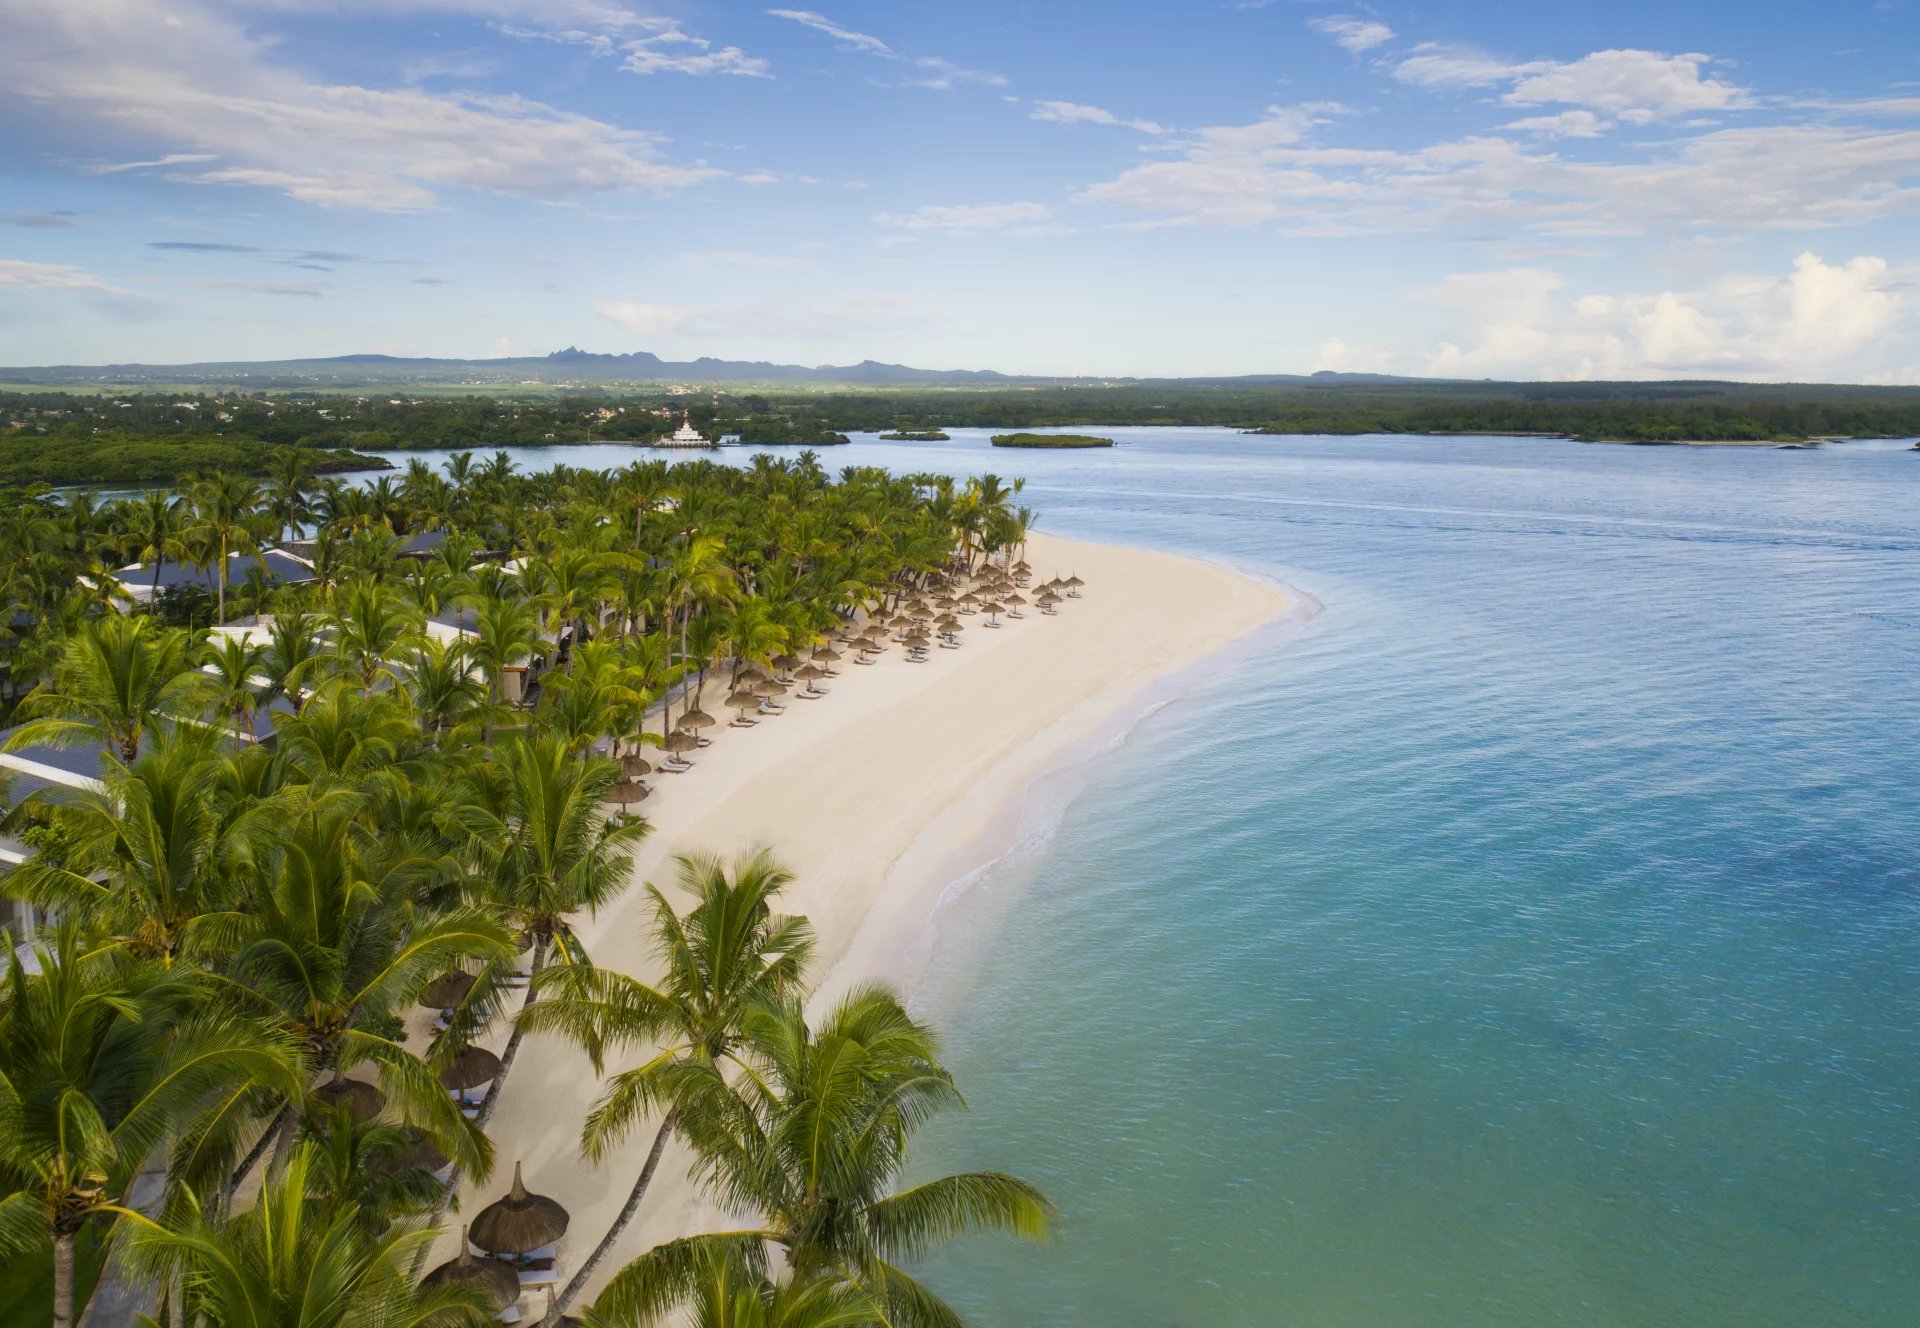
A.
x: 743, y: 700
x: 362, y: 1100
x: 421, y: 1155
x: 635, y: 767
x: 447, y: 992
x: 695, y: 719
x: 1074, y: 583
x: 681, y: 740
x: 498, y: 1285
x: 626, y: 792
x: 470, y: 1069
x: 520, y: 1222
x: 785, y: 663
x: 769, y: 688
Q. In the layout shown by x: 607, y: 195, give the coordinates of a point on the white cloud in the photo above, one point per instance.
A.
x: 647, y: 320
x: 1636, y: 86
x: 858, y: 41
x: 1453, y: 65
x: 1819, y: 320
x: 1068, y: 113
x: 929, y: 71
x: 672, y: 51
x: 19, y: 274
x: 957, y: 220
x: 188, y: 76
x: 1566, y: 124
x: 944, y: 75
x: 1275, y: 172
x: 171, y: 159
x: 1357, y: 35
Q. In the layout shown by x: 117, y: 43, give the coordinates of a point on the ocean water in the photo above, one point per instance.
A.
x: 1531, y: 938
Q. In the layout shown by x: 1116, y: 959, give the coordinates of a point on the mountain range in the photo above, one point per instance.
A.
x: 562, y: 367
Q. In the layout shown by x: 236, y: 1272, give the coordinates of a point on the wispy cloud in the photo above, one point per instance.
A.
x: 19, y: 274
x: 41, y: 221
x: 1358, y: 35
x: 311, y: 290
x: 959, y: 220
x: 203, y: 247
x: 665, y: 49
x: 171, y: 159
x: 847, y: 37
x: 924, y: 71
x: 1070, y: 113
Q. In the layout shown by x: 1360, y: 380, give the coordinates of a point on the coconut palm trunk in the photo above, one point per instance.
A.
x: 579, y: 1280
x: 63, y: 1279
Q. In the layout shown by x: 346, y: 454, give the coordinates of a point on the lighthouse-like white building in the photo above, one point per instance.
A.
x: 686, y: 435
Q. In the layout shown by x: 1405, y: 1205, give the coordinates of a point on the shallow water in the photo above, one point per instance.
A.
x: 1529, y: 939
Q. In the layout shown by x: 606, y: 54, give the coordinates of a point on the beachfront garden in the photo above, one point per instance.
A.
x: 311, y: 787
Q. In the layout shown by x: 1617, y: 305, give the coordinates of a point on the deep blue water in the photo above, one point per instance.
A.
x: 1532, y: 938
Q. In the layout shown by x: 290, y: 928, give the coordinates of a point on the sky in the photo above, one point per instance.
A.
x: 1140, y: 187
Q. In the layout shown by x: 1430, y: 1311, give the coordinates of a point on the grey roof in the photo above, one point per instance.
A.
x: 87, y: 761
x: 279, y: 567
x: 423, y: 543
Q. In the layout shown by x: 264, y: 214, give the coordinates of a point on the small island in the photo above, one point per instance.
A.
x: 916, y: 436
x: 1050, y: 440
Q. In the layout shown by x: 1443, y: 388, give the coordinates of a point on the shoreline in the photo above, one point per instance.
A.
x: 884, y: 798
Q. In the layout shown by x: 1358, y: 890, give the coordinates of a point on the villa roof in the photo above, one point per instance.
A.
x: 279, y: 566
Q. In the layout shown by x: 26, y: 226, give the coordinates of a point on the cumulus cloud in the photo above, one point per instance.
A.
x: 1276, y: 171
x: 189, y: 76
x: 958, y: 220
x: 1358, y: 35
x: 1636, y: 86
x: 1819, y: 320
x: 1070, y: 113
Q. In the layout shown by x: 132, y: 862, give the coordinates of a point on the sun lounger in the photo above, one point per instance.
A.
x: 863, y: 659
x: 539, y: 1277
x: 511, y: 1314
x: 674, y: 766
x: 949, y: 645
x: 805, y: 695
x: 989, y: 623
x: 742, y: 723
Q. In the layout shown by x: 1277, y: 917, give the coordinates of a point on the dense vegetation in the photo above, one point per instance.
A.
x: 122, y: 459
x: 1064, y: 440
x: 244, y: 927
x: 1648, y: 412
x: 916, y: 436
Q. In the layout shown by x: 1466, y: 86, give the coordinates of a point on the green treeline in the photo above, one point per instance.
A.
x: 123, y: 459
x: 105, y: 431
x: 1050, y: 440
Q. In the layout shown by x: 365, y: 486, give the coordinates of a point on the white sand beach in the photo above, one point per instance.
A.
x: 868, y: 795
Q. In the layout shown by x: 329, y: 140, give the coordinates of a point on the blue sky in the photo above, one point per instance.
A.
x: 1488, y: 189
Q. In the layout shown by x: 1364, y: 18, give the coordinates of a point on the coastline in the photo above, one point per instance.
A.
x: 882, y: 797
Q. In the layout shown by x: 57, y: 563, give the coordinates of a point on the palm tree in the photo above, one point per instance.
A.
x: 101, y: 1060
x: 506, y: 633
x: 728, y: 953
x: 705, y: 1285
x: 154, y: 524
x: 289, y: 477
x: 441, y: 686
x: 225, y: 510
x: 291, y: 1262
x: 548, y: 853
x: 372, y: 626
x: 115, y: 679
x: 815, y: 1140
x: 232, y: 670
x: 142, y: 862
x: 329, y: 947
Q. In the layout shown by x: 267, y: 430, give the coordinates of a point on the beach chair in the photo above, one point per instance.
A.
x: 863, y: 658
x: 673, y: 765
x: 539, y: 1277
x: 741, y: 721
x: 511, y: 1314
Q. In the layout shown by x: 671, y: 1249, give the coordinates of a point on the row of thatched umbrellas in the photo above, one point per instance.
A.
x: 523, y: 1221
